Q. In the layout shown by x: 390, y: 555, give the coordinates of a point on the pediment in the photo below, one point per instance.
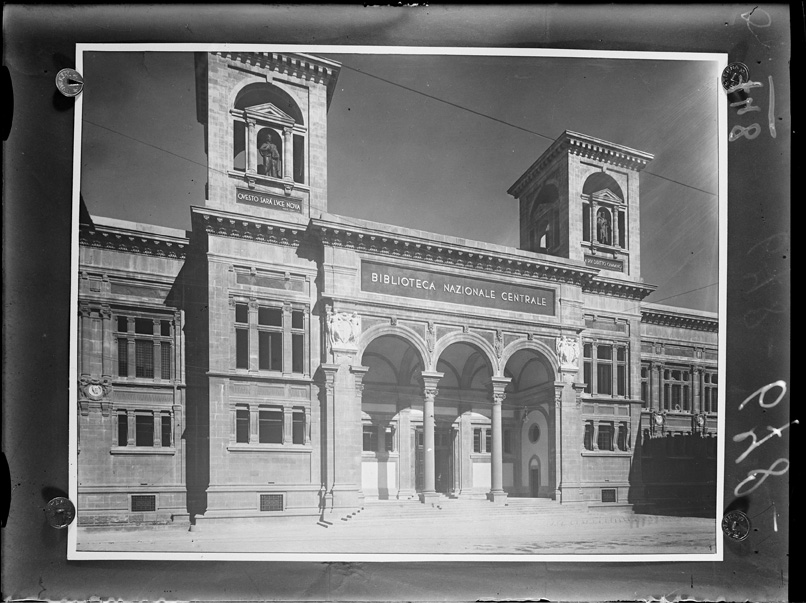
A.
x: 607, y: 195
x: 270, y: 112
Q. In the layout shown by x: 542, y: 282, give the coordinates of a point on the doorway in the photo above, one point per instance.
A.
x: 534, y: 478
x: 443, y: 459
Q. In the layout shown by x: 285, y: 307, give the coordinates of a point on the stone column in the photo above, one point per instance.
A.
x: 661, y: 392
x: 595, y: 435
x: 696, y: 389
x: 254, y: 435
x: 251, y: 146
x: 254, y: 344
x: 497, y: 493
x: 107, y: 346
x: 430, y: 381
x: 157, y: 428
x: 157, y: 359
x: 406, y: 479
x: 132, y: 353
x: 288, y: 167
x: 132, y: 428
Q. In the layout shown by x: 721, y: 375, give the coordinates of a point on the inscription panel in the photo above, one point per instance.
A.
x: 436, y: 286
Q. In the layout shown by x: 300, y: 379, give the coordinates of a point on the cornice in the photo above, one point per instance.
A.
x: 680, y: 319
x: 238, y: 226
x: 300, y: 65
x: 133, y: 241
x: 617, y: 288
x: 586, y: 146
x: 446, y: 253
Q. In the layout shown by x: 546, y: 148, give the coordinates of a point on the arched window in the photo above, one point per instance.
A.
x: 544, y: 220
x: 269, y: 134
x: 604, y: 211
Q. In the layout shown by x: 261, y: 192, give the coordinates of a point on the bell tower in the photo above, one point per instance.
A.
x: 265, y: 118
x: 580, y: 200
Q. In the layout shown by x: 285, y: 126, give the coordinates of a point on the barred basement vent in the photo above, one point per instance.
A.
x: 609, y: 495
x: 142, y: 503
x: 271, y: 502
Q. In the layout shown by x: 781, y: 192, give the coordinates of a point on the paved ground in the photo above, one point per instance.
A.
x: 429, y: 532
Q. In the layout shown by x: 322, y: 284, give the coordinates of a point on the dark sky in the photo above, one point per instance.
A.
x: 399, y: 157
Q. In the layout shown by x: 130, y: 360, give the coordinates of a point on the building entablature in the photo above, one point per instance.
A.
x: 585, y: 146
x: 298, y: 65
x: 238, y: 226
x: 676, y: 317
x: 439, y: 249
x: 131, y: 237
x: 603, y: 285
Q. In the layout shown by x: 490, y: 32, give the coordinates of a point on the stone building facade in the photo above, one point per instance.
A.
x: 278, y: 360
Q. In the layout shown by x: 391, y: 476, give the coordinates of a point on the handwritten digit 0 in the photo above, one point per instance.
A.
x: 738, y: 131
x: 762, y: 391
x: 765, y: 473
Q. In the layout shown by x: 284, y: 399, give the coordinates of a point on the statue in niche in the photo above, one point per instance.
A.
x: 603, y: 226
x: 568, y: 351
x: 343, y: 329
x: 271, y: 158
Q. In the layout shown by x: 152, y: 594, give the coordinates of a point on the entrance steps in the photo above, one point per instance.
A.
x: 467, y: 509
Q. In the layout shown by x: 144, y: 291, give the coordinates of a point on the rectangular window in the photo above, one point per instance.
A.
x: 623, y: 437
x: 242, y: 425
x: 166, y: 430
x: 477, y: 440
x: 241, y: 348
x: 507, y: 443
x: 123, y: 429
x: 605, y: 437
x: 270, y: 317
x: 389, y: 442
x: 622, y: 231
x: 270, y: 350
x: 370, y: 438
x: 587, y: 367
x: 165, y: 328
x: 242, y: 314
x: 299, y: 159
x: 165, y: 360
x: 270, y: 426
x: 144, y: 326
x: 123, y: 357
x: 604, y: 377
x: 123, y: 324
x: 645, y: 385
x: 586, y: 222
x: 297, y: 319
x: 297, y: 365
x: 621, y: 385
x: 588, y: 437
x: 609, y: 495
x: 488, y: 441
x: 144, y: 358
x: 298, y: 427
x: 144, y: 430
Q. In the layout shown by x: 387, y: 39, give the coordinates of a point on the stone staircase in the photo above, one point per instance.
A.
x: 460, y: 509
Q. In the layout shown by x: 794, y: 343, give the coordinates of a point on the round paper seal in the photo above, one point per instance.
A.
x: 734, y: 74
x: 736, y: 525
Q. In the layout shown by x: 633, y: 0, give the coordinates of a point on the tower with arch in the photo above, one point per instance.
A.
x: 580, y: 200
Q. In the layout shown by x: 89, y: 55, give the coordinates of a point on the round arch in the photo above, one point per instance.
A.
x: 253, y: 93
x: 597, y: 180
x: 405, y: 333
x: 470, y: 338
x: 534, y: 346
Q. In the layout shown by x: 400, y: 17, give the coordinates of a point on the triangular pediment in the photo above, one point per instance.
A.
x: 607, y: 195
x: 269, y: 111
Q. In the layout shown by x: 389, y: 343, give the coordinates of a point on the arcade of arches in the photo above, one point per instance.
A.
x: 459, y: 430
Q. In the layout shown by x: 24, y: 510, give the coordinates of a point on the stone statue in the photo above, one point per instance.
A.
x: 343, y: 329
x: 271, y: 158
x: 568, y: 351
x: 604, y: 228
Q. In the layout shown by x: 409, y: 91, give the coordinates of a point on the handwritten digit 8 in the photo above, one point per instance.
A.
x: 738, y: 131
x: 765, y: 473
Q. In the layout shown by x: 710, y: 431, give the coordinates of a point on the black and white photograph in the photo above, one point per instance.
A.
x: 398, y: 303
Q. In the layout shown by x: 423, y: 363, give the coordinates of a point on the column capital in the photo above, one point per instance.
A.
x: 498, y: 385
x: 358, y: 373
x: 431, y: 379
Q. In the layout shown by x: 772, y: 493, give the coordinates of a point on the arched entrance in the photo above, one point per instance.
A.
x: 530, y: 403
x: 392, y: 416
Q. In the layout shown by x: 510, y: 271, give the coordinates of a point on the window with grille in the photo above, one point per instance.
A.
x: 608, y: 495
x: 709, y: 392
x: 298, y: 426
x: 477, y: 439
x: 144, y: 347
x: 143, y: 503
x: 271, y: 502
x: 677, y: 390
x: 389, y: 441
